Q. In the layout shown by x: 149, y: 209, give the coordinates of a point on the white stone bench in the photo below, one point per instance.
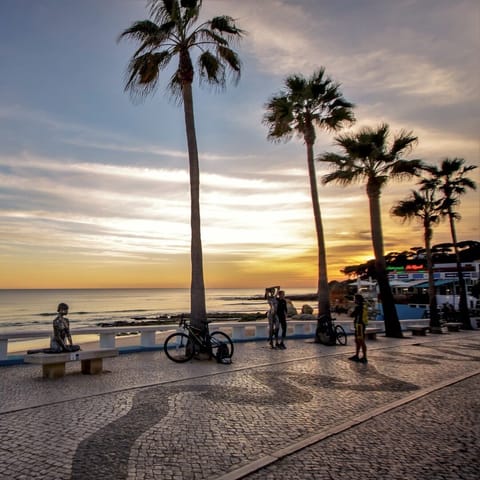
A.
x: 53, y: 364
x: 453, y: 326
x: 371, y: 333
x: 418, y: 330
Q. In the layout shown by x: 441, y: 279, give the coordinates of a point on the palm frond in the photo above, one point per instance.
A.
x: 408, y: 209
x: 175, y: 88
x: 208, y: 35
x: 192, y: 11
x: 296, y: 86
x: 333, y: 159
x: 431, y: 169
x: 449, y: 166
x: 165, y: 10
x: 190, y: 3
x: 232, y: 60
x: 341, y: 177
x: 346, y: 173
x: 142, y: 72
x: 338, y: 118
x: 226, y: 25
x: 318, y: 76
x: 211, y: 69
x: 278, y: 118
x: 402, y: 169
x: 422, y: 204
x: 142, y: 31
x: 403, y: 143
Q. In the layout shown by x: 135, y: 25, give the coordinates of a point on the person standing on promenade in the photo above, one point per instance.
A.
x: 282, y: 311
x: 359, y: 322
x: 271, y: 297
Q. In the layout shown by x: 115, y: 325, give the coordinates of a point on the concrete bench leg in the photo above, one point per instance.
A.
x: 53, y: 370
x: 419, y: 333
x: 93, y: 366
x: 371, y: 336
x: 451, y: 328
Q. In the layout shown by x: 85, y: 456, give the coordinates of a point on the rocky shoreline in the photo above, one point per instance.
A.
x: 139, y: 321
x: 174, y: 319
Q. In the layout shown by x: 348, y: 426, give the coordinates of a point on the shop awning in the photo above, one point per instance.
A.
x: 438, y: 283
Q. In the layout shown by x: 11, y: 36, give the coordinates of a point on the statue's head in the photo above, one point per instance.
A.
x: 62, y: 308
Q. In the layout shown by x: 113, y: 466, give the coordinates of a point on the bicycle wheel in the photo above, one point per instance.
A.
x: 217, y: 338
x: 178, y: 347
x: 340, y: 335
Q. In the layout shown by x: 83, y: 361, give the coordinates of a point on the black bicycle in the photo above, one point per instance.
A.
x: 183, y: 346
x: 328, y: 333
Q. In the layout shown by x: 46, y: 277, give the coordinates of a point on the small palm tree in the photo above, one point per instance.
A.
x: 368, y: 156
x: 175, y: 33
x: 425, y: 206
x: 302, y: 106
x: 453, y: 183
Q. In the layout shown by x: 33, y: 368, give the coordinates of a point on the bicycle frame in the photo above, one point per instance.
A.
x: 199, y: 337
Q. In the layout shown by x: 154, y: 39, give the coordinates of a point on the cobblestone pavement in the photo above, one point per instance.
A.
x: 148, y: 418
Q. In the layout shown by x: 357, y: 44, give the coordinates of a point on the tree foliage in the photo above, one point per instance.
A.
x: 304, y: 105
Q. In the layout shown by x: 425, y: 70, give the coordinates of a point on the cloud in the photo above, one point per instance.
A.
x: 85, y: 175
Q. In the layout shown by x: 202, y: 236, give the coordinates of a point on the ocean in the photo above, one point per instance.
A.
x: 32, y: 309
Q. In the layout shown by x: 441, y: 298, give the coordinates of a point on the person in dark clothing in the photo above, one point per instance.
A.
x: 358, y: 315
x: 282, y: 311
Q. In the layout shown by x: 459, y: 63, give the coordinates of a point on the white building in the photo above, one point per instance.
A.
x: 413, y: 280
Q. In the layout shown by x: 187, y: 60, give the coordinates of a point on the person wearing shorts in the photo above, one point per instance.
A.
x: 359, y: 327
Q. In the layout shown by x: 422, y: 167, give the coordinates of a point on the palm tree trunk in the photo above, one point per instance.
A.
x: 322, y: 291
x: 197, y: 291
x: 392, y: 324
x: 432, y: 296
x: 463, y: 305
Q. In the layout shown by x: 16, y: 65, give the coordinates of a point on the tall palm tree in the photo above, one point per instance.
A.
x: 304, y: 105
x: 174, y: 33
x: 425, y: 206
x: 453, y: 184
x: 368, y: 156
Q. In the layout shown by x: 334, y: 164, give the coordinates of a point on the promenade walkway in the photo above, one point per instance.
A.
x: 412, y: 412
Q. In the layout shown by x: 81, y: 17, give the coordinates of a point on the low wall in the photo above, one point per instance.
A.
x: 147, y: 338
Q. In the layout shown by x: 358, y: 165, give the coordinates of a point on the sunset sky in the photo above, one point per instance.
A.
x: 94, y: 189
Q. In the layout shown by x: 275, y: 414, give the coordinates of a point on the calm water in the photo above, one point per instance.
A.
x: 30, y: 309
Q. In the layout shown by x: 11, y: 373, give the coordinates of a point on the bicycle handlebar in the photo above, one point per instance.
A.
x: 183, y: 322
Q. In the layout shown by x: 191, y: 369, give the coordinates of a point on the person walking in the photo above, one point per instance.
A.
x: 359, y: 321
x: 282, y: 311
